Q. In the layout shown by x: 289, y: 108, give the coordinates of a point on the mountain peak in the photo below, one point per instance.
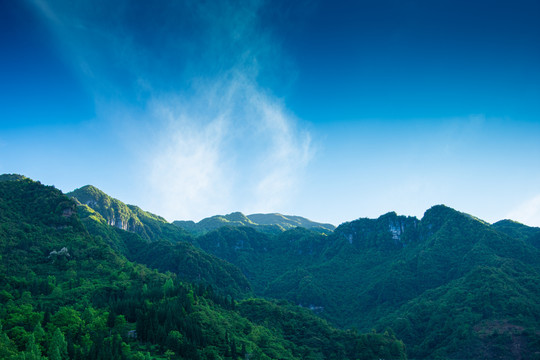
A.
x: 288, y: 221
x: 90, y: 188
x: 237, y: 216
x: 12, y: 177
x: 437, y: 215
x: 269, y: 223
x: 126, y: 217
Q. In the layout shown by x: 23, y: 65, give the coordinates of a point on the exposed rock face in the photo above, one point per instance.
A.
x: 114, y: 212
x: 388, y: 231
x: 130, y: 218
x: 67, y: 212
x: 62, y: 252
x: 399, y: 226
x: 121, y: 224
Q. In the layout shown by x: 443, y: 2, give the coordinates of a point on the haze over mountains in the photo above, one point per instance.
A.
x: 448, y: 285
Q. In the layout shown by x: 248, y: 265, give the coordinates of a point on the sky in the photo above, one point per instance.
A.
x: 331, y: 110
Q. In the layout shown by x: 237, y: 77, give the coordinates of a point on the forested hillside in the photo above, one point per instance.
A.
x: 449, y: 285
x: 127, y: 217
x: 166, y: 253
x: 387, y: 272
x: 68, y: 294
x: 530, y: 235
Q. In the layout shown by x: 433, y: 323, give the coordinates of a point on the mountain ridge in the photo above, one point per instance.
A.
x: 369, y: 269
x: 449, y: 284
x: 271, y: 223
x: 150, y: 240
x: 127, y: 217
x: 66, y: 294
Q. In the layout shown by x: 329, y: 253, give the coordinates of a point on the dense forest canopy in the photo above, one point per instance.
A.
x: 68, y: 291
x: 85, y: 276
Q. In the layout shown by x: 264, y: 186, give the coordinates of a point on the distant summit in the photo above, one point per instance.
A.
x: 268, y: 223
x: 12, y: 177
x: 289, y: 222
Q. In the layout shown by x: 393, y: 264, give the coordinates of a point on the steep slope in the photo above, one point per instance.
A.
x: 267, y: 223
x: 478, y: 292
x: 165, y: 250
x: 127, y: 217
x: 67, y: 294
x: 263, y: 257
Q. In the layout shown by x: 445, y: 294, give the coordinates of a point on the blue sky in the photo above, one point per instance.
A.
x: 332, y: 110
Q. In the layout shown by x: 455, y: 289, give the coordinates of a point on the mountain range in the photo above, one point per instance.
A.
x: 448, y: 285
x: 69, y: 291
x: 268, y: 223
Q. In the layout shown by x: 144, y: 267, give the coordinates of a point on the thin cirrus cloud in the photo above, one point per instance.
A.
x: 243, y: 152
x: 527, y: 212
x: 181, y: 82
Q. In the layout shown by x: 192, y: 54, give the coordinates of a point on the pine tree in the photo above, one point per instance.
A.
x: 33, y: 352
x: 39, y: 334
x: 7, y: 348
x: 168, y: 287
x: 58, y: 346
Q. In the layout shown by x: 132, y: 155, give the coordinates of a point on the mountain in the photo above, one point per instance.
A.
x: 67, y: 294
x: 267, y: 223
x: 449, y: 285
x: 11, y: 177
x: 479, y: 284
x: 290, y: 221
x: 215, y: 222
x: 263, y: 257
x: 127, y: 217
x: 150, y: 240
x: 517, y: 230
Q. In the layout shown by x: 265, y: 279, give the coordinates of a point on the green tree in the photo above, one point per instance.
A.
x: 7, y: 348
x: 175, y: 340
x: 58, y: 346
x: 33, y: 352
x: 168, y: 287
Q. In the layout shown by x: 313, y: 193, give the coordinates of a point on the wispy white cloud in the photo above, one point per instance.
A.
x: 230, y: 147
x: 179, y: 84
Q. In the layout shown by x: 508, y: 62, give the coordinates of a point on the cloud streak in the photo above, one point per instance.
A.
x: 206, y: 135
x: 528, y: 212
x: 229, y: 147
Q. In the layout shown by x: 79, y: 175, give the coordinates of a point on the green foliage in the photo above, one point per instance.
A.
x: 192, y: 264
x: 530, y: 235
x: 165, y: 253
x: 72, y: 286
x: 68, y: 292
x: 58, y: 346
x: 312, y: 338
x: 12, y: 177
x: 402, y: 273
x: 126, y: 217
